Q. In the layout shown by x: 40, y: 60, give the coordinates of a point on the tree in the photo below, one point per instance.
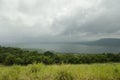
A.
x: 10, y: 59
x: 18, y: 60
x: 48, y: 53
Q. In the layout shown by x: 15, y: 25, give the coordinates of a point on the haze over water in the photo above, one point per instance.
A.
x: 70, y: 48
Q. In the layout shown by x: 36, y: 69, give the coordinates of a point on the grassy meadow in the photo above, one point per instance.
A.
x: 107, y: 71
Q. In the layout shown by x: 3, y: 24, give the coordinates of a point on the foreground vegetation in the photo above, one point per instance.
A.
x: 33, y: 65
x: 108, y: 71
x: 10, y: 56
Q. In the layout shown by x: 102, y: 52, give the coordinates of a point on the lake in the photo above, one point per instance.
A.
x: 70, y: 48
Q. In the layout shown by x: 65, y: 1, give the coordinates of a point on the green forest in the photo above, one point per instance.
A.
x: 11, y: 56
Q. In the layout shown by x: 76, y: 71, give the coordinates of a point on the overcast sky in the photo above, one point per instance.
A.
x: 58, y: 20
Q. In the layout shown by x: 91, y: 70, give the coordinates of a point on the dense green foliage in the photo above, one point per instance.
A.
x: 10, y: 56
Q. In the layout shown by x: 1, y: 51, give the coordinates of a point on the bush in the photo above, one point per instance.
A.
x: 64, y: 75
x: 48, y: 53
x: 10, y: 59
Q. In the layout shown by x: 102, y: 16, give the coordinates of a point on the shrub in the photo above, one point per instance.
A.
x: 10, y: 59
x: 64, y: 75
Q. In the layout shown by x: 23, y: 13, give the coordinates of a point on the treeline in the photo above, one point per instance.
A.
x: 10, y: 56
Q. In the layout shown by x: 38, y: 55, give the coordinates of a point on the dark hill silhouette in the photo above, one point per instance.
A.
x: 104, y: 42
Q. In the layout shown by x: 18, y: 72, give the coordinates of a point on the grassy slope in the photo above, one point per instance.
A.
x: 109, y: 71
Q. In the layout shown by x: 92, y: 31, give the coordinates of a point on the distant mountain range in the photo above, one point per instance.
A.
x: 104, y: 42
x: 100, y: 42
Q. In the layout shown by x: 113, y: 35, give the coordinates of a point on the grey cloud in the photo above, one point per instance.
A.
x: 58, y: 20
x: 107, y: 22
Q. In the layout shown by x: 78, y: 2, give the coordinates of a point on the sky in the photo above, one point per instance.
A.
x: 58, y: 20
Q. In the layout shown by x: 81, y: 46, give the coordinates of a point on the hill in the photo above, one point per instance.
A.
x: 104, y: 42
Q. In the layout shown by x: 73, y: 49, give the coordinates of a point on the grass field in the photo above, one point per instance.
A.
x: 108, y: 71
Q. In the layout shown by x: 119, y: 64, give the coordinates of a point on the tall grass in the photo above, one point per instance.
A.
x: 108, y: 71
x: 64, y: 75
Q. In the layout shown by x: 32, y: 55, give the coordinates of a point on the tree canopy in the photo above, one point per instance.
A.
x: 10, y: 56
